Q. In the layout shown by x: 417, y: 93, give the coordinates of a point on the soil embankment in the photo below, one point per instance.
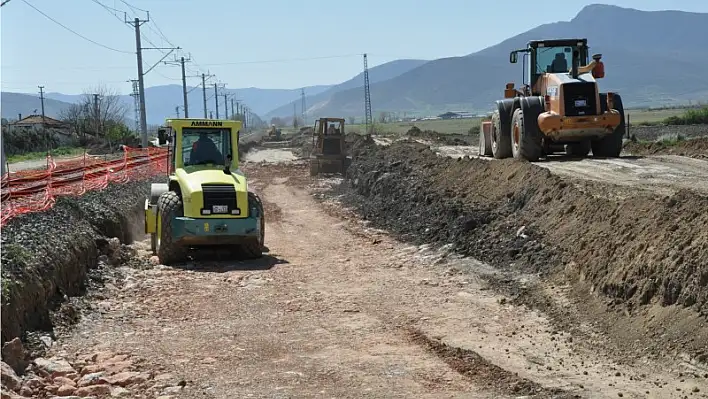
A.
x: 47, y: 255
x: 645, y: 259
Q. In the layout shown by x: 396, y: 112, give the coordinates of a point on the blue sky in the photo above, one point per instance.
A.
x: 230, y: 37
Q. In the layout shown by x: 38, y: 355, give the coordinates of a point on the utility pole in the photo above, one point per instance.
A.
x: 205, y: 76
x: 226, y: 106
x: 211, y: 114
x: 177, y: 111
x: 141, y: 83
x: 97, y: 114
x: 232, y: 109
x: 216, y: 99
x: 41, y: 97
x: 302, y: 105
x: 181, y: 62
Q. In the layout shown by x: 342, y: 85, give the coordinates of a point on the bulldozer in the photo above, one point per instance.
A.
x: 328, y: 147
x: 205, y: 201
x: 274, y: 134
x: 558, y: 107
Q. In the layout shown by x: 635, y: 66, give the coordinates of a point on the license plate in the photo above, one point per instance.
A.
x: 581, y: 103
x: 220, y: 208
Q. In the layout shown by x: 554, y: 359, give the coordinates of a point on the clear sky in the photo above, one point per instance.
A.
x: 229, y: 38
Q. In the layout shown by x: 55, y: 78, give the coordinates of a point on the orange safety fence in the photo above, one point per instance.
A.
x: 36, y: 190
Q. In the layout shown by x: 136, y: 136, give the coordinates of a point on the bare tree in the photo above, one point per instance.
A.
x: 106, y: 109
x: 99, y: 113
x: 383, y: 117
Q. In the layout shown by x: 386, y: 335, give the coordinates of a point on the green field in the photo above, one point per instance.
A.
x: 462, y: 126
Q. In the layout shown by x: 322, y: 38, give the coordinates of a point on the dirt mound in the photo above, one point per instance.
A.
x: 47, y: 255
x: 446, y: 139
x: 518, y: 216
x: 697, y: 147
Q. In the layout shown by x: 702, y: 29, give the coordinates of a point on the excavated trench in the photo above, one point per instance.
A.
x: 48, y: 256
x: 638, y: 267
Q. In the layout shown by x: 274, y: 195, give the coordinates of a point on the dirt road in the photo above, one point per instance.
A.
x: 340, y: 310
x: 663, y: 174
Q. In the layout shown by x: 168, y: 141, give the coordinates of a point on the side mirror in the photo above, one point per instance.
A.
x: 513, y: 57
x: 162, y: 136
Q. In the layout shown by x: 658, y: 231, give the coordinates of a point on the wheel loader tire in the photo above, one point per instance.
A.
x: 501, y: 140
x: 580, y: 149
x: 169, y: 206
x: 485, y: 142
x: 610, y: 146
x: 253, y: 249
x: 525, y: 141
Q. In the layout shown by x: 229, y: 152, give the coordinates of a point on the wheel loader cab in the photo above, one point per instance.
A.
x: 206, y: 200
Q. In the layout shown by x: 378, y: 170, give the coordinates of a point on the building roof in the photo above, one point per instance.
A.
x: 33, y: 120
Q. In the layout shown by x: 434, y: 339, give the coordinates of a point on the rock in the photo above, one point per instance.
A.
x: 128, y: 378
x: 66, y: 390
x: 52, y: 389
x: 27, y: 392
x: 92, y: 379
x: 94, y: 390
x: 92, y: 368
x: 13, y: 353
x: 9, y: 377
x: 33, y: 384
x: 55, y: 366
x: 164, y: 377
x: 119, y: 392
x: 116, y: 368
x: 172, y: 390
x: 10, y: 395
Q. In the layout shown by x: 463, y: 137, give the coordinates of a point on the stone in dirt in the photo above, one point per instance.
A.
x: 92, y: 379
x: 9, y: 378
x: 13, y: 353
x: 128, y: 378
x: 94, y: 390
x: 66, y: 390
x: 119, y: 392
x: 54, y: 366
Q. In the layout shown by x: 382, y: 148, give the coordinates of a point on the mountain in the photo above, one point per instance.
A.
x: 160, y: 101
x: 380, y: 73
x: 13, y: 104
x: 651, y: 58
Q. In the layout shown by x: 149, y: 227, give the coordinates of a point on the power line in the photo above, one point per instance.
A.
x: 285, y: 60
x: 74, y: 32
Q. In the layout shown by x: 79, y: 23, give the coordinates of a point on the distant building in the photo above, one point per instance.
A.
x: 456, y: 115
x: 37, y: 121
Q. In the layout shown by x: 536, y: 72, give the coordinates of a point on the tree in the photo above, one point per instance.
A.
x: 98, y: 110
x: 383, y: 117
